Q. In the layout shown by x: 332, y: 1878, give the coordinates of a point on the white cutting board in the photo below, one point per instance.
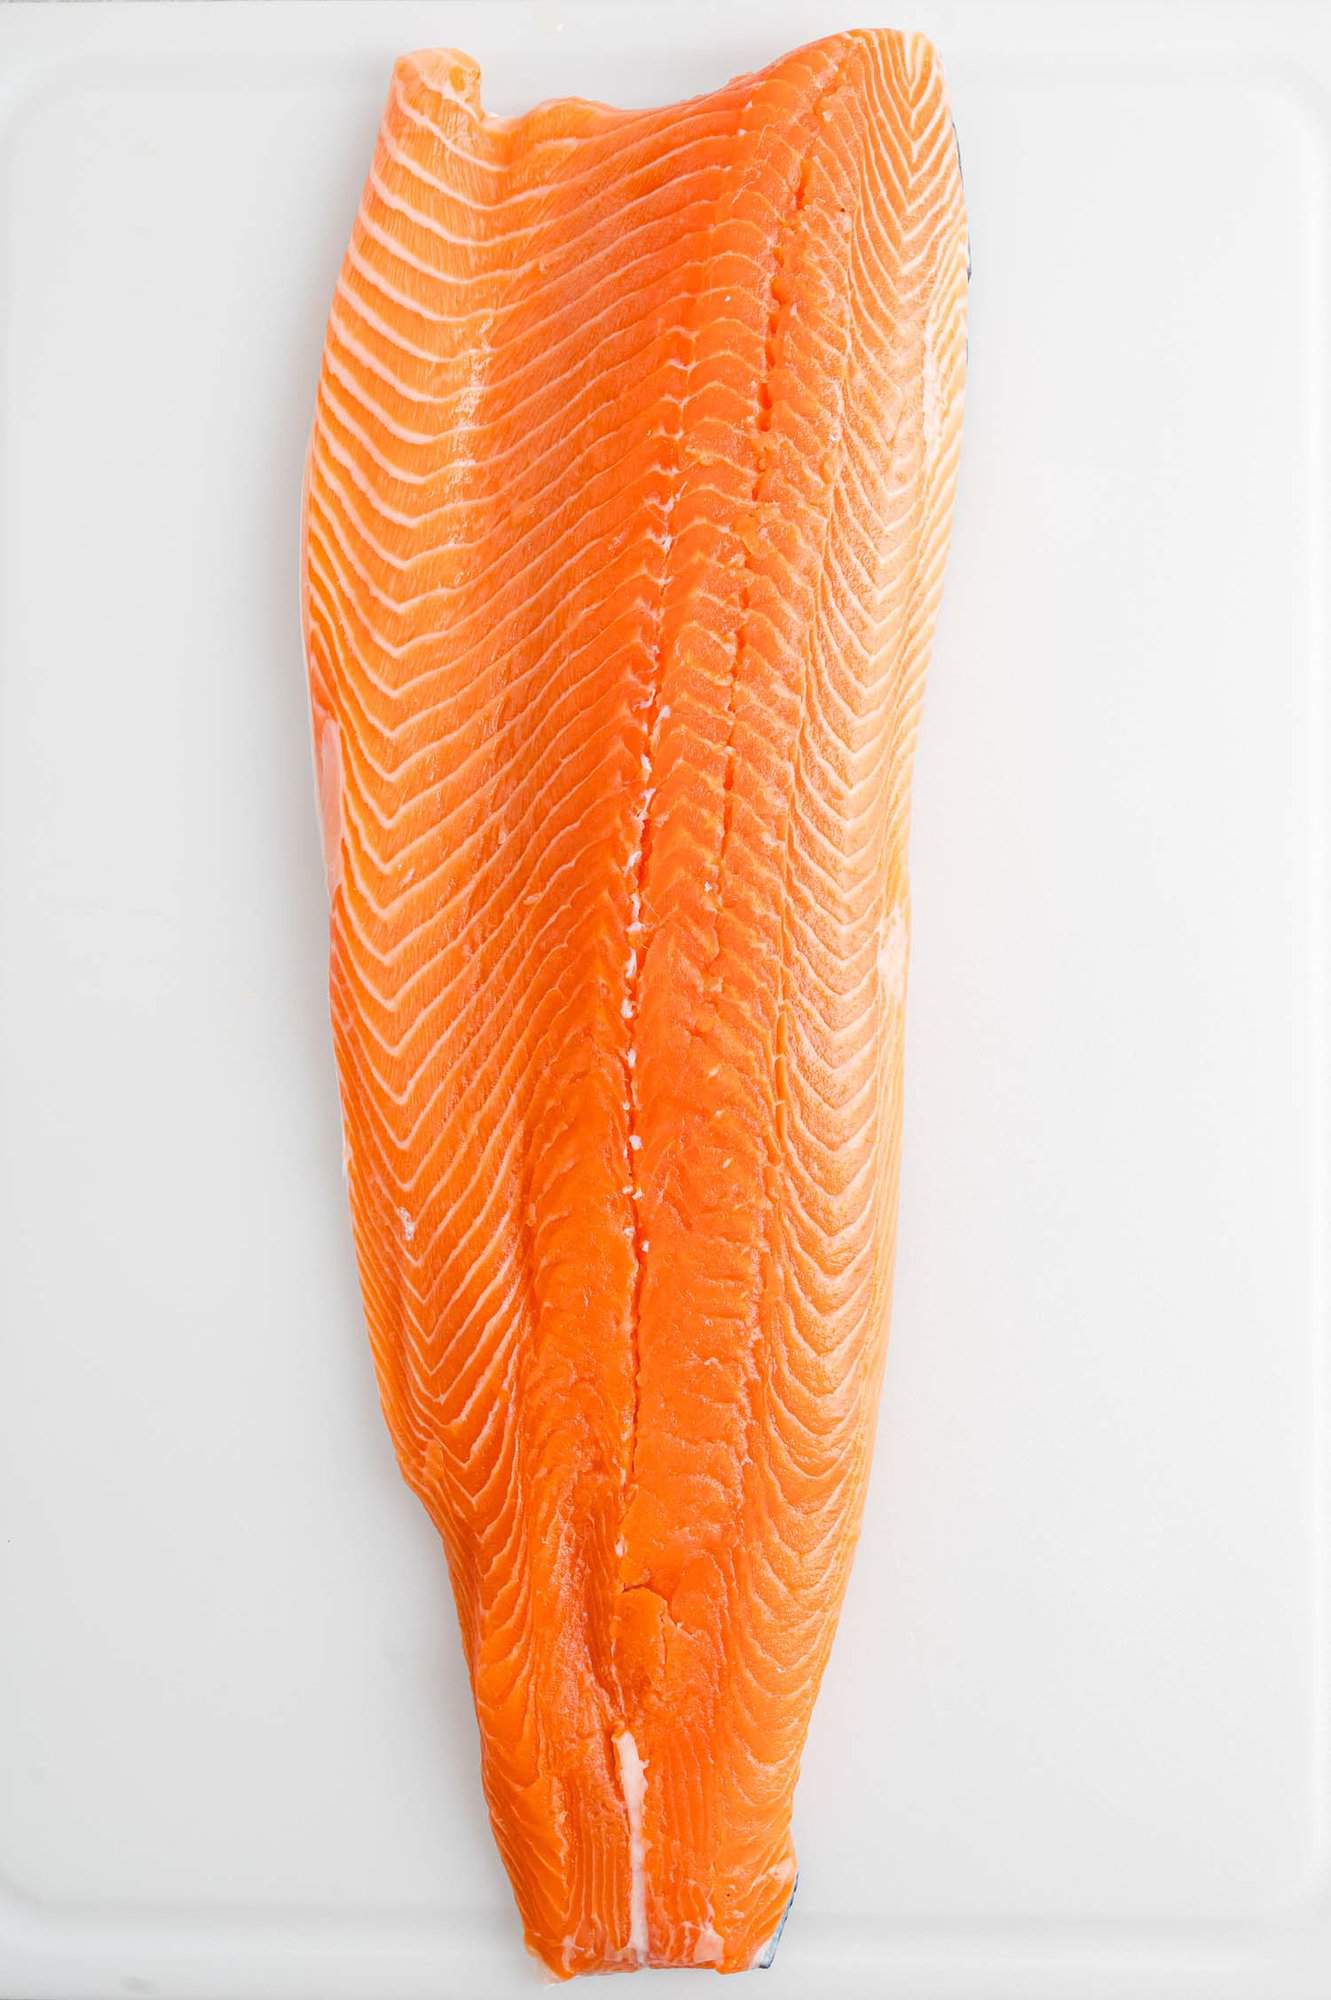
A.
x: 1073, y: 1743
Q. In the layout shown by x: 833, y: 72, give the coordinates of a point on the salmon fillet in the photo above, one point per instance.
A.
x: 625, y: 520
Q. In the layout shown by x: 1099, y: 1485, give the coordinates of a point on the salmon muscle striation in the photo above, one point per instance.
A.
x: 625, y: 519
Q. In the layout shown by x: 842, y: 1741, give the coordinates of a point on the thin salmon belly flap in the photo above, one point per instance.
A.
x: 626, y: 511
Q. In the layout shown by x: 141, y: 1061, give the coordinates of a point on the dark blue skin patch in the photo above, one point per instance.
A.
x: 769, y: 1950
x: 956, y: 141
x: 961, y: 176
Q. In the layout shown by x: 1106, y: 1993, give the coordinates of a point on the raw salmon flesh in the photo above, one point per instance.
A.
x: 625, y: 520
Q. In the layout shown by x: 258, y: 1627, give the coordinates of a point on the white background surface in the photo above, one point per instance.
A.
x: 1073, y: 1741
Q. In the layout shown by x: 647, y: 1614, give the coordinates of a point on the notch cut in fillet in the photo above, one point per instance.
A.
x: 633, y: 1785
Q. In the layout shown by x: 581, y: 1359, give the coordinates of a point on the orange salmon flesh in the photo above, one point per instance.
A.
x: 625, y: 520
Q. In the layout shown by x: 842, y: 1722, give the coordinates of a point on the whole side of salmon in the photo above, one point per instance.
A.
x: 625, y: 521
